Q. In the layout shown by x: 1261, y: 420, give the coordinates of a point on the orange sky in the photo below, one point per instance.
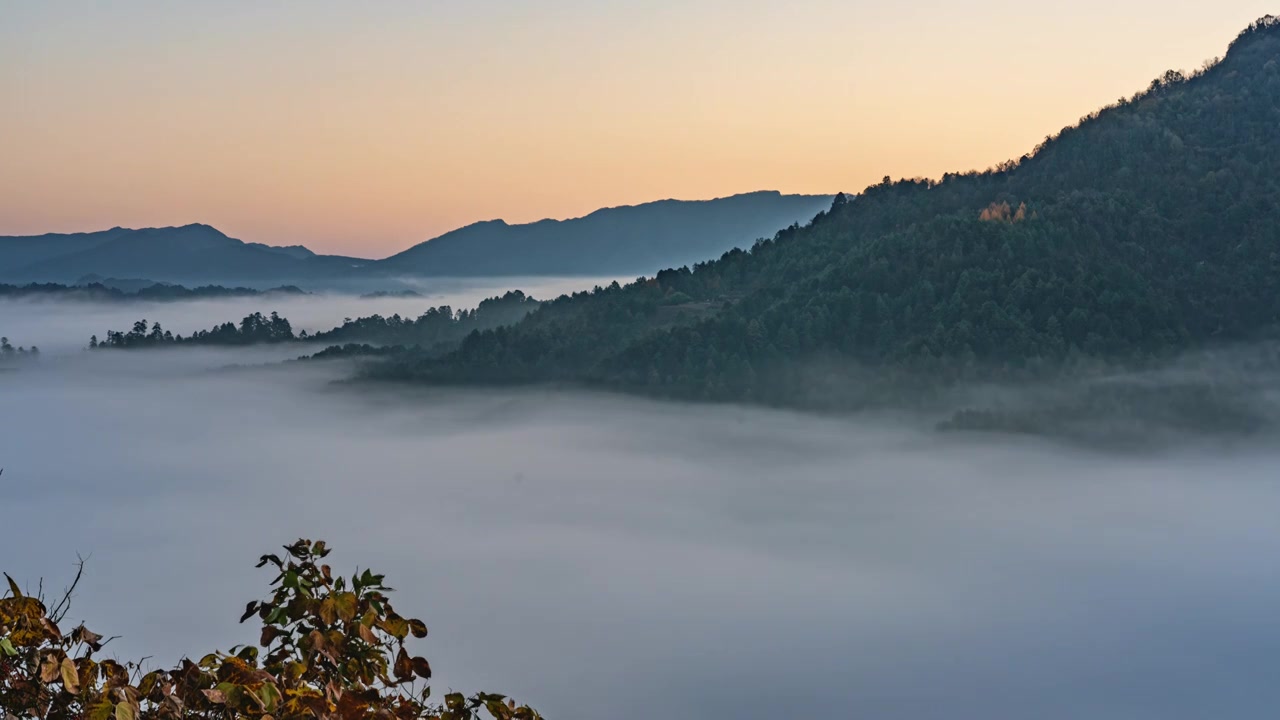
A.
x: 363, y: 128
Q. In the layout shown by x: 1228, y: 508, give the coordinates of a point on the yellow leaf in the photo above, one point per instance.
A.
x: 345, y: 603
x: 100, y: 710
x: 395, y: 626
x: 70, y: 679
x: 329, y: 611
x: 49, y: 668
x: 20, y: 607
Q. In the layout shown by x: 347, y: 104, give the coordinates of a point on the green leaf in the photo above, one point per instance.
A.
x: 270, y: 696
x: 7, y: 647
x: 232, y: 693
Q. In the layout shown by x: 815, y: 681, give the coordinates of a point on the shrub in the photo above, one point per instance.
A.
x: 332, y: 648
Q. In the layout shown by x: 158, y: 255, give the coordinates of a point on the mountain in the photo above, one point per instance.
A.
x: 190, y: 253
x: 300, y: 252
x: 1150, y: 228
x: 612, y: 241
x: 17, y: 252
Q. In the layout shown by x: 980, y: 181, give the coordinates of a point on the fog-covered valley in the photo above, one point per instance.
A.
x: 63, y: 326
x: 604, y: 556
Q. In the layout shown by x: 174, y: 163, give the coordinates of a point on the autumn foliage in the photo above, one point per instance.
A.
x: 1001, y: 212
x: 331, y: 648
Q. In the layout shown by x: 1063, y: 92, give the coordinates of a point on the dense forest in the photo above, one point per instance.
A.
x: 434, y: 331
x: 1149, y: 228
x: 100, y: 292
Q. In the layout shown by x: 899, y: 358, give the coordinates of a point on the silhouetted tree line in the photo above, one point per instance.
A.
x: 9, y: 353
x: 350, y: 350
x: 1148, y: 228
x: 160, y: 291
x: 436, y: 327
x: 255, y: 328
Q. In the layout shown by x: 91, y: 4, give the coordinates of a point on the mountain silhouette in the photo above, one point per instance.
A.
x: 612, y: 241
x: 620, y: 240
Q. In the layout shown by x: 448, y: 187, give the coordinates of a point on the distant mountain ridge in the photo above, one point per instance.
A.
x: 610, y: 241
x: 188, y: 253
x: 632, y: 238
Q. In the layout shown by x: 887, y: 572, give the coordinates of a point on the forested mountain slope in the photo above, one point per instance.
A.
x: 1150, y: 228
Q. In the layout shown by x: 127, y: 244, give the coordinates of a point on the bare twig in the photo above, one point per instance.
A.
x: 64, y: 605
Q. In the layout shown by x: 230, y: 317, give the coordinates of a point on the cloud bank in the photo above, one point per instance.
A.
x: 599, y: 556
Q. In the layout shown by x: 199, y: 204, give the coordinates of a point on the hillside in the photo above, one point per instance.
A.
x: 1148, y: 229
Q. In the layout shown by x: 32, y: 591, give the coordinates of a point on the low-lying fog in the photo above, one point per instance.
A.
x: 599, y: 556
x: 61, y: 325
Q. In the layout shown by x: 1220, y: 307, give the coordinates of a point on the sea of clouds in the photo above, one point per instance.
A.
x: 603, y: 556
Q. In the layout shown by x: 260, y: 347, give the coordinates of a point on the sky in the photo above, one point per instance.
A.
x: 363, y: 128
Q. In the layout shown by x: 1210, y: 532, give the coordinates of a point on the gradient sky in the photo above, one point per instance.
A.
x: 365, y: 127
